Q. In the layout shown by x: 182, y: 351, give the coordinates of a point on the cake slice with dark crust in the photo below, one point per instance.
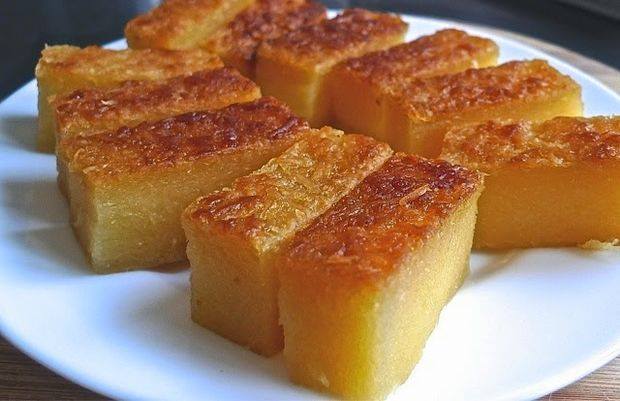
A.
x: 63, y: 69
x: 548, y: 184
x: 235, y: 234
x: 133, y: 102
x: 265, y: 19
x: 293, y: 66
x: 362, y: 287
x: 181, y: 24
x: 93, y: 110
x: 127, y: 188
x: 421, y: 111
x: 358, y: 87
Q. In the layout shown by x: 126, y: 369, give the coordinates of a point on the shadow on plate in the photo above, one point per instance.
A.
x: 492, y: 263
x: 171, y: 268
x: 37, y: 200
x: 50, y: 252
x: 20, y: 130
x: 175, y: 339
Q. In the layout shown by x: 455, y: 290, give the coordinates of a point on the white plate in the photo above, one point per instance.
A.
x: 524, y: 324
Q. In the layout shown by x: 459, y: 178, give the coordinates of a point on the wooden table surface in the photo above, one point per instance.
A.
x: 21, y: 378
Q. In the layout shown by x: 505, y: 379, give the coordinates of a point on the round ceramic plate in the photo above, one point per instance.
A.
x: 524, y: 324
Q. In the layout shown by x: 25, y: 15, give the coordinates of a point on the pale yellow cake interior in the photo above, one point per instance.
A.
x: 361, y: 341
x: 549, y: 206
x: 134, y: 221
x: 232, y: 248
x: 533, y: 91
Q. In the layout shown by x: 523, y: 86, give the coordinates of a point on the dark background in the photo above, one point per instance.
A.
x: 26, y: 25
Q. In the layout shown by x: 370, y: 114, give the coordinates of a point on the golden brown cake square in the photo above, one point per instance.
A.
x: 358, y: 87
x: 548, y: 184
x: 181, y: 24
x: 293, y: 66
x: 132, y: 102
x: 422, y: 111
x: 63, y: 69
x: 362, y: 287
x: 235, y: 234
x: 127, y: 188
x: 265, y: 19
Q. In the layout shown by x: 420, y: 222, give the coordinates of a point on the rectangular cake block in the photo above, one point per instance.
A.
x: 235, y: 234
x: 362, y: 287
x: 132, y: 102
x: 128, y: 188
x: 181, y: 24
x: 63, y: 69
x: 265, y: 19
x: 358, y: 87
x: 548, y: 184
x: 423, y: 110
x: 293, y: 66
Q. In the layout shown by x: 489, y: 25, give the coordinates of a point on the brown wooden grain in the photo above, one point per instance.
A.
x: 21, y: 378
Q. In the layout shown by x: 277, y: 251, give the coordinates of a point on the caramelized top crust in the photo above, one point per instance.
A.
x: 267, y: 19
x: 269, y: 205
x: 366, y: 235
x: 559, y: 142
x: 427, y: 99
x: 439, y: 53
x: 350, y: 34
x: 136, y: 101
x: 182, y: 138
x: 180, y: 24
x: 97, y: 66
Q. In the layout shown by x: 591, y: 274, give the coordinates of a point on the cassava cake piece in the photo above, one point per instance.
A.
x: 423, y: 110
x: 362, y: 287
x: 293, y: 66
x: 181, y: 24
x: 128, y: 188
x: 265, y: 19
x: 63, y: 69
x: 132, y: 102
x: 357, y: 88
x: 548, y: 184
x: 235, y: 234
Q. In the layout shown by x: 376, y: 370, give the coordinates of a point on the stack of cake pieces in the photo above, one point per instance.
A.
x: 303, y: 238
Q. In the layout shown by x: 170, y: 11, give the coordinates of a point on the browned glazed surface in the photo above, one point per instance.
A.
x: 182, y: 138
x: 139, y: 64
x: 171, y: 18
x: 353, y: 28
x: 270, y: 202
x: 267, y: 19
x: 426, y: 98
x: 427, y: 54
x: 365, y: 235
x: 557, y: 142
x: 210, y: 87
